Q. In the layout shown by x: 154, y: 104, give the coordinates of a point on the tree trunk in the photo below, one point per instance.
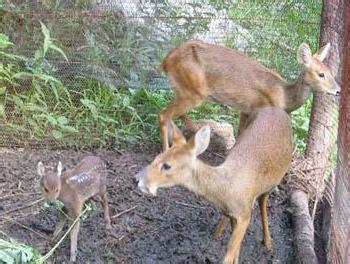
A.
x: 339, y: 246
x: 304, y: 235
x: 323, y: 128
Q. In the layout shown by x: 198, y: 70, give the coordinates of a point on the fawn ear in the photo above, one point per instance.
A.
x: 304, y: 54
x: 200, y: 141
x: 323, y: 52
x: 59, y: 169
x: 40, y: 169
x: 177, y: 136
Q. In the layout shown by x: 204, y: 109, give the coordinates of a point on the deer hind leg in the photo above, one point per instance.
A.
x: 179, y: 107
x: 263, y: 199
x: 190, y: 88
x: 221, y: 226
x: 239, y: 227
x: 76, y: 210
x: 104, y: 202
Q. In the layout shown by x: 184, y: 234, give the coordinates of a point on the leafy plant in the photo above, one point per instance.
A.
x: 95, y: 106
x: 13, y: 252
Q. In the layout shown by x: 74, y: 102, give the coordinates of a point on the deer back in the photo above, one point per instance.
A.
x: 229, y: 77
x: 87, y: 178
x: 263, y: 152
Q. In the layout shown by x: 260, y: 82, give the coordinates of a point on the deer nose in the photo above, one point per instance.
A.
x: 142, y: 186
x: 337, y: 93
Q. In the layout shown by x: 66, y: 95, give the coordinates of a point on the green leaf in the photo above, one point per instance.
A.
x: 2, y: 90
x: 54, y: 47
x: 5, y: 257
x: 57, y: 134
x: 10, y: 56
x: 47, y: 38
x: 20, y: 75
x: 2, y: 110
x: 4, y: 41
x: 62, y: 120
x: 51, y: 120
x: 69, y: 129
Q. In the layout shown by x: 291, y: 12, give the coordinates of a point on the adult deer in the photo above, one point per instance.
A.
x: 199, y: 71
x: 254, y: 166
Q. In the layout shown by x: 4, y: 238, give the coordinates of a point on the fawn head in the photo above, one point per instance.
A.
x: 50, y: 182
x: 316, y: 73
x: 174, y: 166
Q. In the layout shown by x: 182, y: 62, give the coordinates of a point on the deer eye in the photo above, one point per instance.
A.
x: 165, y: 167
x: 321, y: 75
x: 46, y: 190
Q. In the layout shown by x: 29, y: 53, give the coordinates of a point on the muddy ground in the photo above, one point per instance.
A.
x: 174, y: 227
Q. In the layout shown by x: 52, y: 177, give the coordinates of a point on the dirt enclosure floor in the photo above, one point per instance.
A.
x: 174, y: 227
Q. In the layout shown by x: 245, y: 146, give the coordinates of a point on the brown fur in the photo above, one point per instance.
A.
x: 73, y: 187
x: 200, y: 71
x: 254, y: 166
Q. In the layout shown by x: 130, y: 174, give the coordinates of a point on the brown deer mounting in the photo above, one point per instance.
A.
x: 73, y: 187
x: 199, y: 71
x: 254, y: 166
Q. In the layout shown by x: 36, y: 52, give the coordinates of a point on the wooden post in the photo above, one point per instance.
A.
x: 322, y: 131
x: 339, y: 246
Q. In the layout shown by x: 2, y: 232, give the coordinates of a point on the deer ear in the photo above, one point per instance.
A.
x: 323, y: 52
x: 59, y: 169
x: 201, y: 140
x: 40, y: 169
x: 304, y: 54
x: 177, y: 136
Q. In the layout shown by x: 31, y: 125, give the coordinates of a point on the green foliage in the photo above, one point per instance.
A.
x: 44, y: 108
x: 300, y: 122
x: 13, y: 252
x: 276, y: 29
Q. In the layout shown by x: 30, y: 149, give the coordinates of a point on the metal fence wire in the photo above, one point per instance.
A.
x: 84, y: 73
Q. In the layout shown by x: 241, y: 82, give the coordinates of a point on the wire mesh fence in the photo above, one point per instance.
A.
x: 85, y: 73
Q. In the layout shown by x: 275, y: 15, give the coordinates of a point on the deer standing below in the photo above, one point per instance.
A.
x: 253, y: 167
x: 73, y: 187
x: 199, y: 71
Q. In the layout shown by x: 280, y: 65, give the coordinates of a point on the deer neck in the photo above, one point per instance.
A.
x: 205, y: 181
x: 296, y: 93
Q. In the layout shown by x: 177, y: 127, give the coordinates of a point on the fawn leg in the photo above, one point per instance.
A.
x: 104, y: 201
x: 239, y: 227
x: 74, y: 232
x: 263, y: 199
x: 62, y: 222
x: 221, y: 226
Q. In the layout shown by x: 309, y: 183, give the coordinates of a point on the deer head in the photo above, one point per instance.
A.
x: 50, y: 182
x: 176, y: 165
x: 316, y: 73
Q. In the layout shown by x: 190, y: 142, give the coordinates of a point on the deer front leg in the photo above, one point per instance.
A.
x: 221, y: 226
x: 104, y: 201
x: 239, y: 227
x: 177, y: 108
x: 263, y: 199
x: 74, y: 232
x: 62, y: 222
